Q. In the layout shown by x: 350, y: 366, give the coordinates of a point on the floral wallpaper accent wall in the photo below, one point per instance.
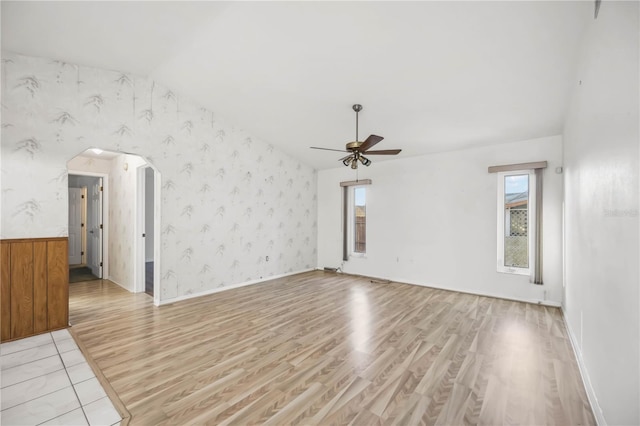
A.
x: 122, y: 218
x: 228, y: 199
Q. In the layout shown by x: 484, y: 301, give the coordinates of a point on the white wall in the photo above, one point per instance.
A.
x: 601, y: 213
x: 89, y: 164
x: 432, y: 220
x: 228, y: 199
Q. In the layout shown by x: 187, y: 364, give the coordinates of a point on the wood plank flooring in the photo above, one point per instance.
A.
x: 320, y: 348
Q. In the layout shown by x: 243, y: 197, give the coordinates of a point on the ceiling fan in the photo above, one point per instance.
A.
x: 356, y: 149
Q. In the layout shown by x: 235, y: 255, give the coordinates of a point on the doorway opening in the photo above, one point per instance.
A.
x: 85, y: 228
x: 147, y: 223
x: 113, y: 207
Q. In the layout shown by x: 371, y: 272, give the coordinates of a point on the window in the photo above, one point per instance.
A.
x: 516, y: 221
x: 359, y: 220
x: 354, y: 218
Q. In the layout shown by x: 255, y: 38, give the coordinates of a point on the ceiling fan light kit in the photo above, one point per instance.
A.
x: 356, y: 149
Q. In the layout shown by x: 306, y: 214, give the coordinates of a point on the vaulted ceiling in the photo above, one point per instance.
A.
x: 432, y: 76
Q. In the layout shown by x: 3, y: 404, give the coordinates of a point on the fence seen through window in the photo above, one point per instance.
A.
x: 516, y: 221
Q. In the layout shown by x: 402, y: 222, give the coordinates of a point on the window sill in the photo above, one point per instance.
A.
x: 514, y: 271
x: 358, y: 255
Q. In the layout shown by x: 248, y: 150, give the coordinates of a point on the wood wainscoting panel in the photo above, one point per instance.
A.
x: 5, y: 291
x: 40, y: 287
x: 34, y: 282
x: 58, y: 284
x: 21, y: 289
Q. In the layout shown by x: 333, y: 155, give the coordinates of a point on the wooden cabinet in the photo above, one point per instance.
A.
x: 34, y: 286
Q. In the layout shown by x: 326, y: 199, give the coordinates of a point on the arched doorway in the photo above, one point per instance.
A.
x: 126, y: 241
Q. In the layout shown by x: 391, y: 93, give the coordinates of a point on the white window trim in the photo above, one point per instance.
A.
x: 531, y: 231
x: 351, y: 223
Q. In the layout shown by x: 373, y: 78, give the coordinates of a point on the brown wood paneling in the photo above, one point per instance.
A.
x: 58, y: 284
x: 21, y: 289
x: 34, y: 282
x: 40, y: 320
x: 5, y: 294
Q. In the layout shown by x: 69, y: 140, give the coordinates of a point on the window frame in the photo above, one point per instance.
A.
x: 531, y: 223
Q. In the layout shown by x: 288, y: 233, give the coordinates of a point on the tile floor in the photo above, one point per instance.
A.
x: 46, y: 380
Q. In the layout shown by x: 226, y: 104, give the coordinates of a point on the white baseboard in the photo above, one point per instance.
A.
x: 586, y: 381
x: 230, y: 287
x: 550, y: 303
x: 117, y: 283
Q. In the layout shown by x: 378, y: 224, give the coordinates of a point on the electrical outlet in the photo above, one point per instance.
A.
x: 267, y: 258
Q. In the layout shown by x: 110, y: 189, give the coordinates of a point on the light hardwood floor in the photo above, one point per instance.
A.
x: 321, y: 348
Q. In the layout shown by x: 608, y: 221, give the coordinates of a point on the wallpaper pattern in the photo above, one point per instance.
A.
x: 122, y: 218
x: 228, y: 199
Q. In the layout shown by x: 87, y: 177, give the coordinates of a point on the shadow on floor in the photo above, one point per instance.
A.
x: 81, y: 274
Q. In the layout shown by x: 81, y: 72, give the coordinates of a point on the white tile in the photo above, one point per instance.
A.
x: 72, y: 418
x: 60, y: 335
x: 26, y: 343
x: 33, y: 388
x: 80, y: 372
x: 72, y: 357
x: 41, y: 409
x: 101, y: 412
x: 20, y: 373
x: 66, y: 345
x: 89, y: 391
x: 28, y: 355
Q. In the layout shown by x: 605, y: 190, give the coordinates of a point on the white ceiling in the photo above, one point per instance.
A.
x: 432, y: 76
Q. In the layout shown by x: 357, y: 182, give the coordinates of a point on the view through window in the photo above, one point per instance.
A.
x: 516, y: 221
x: 360, y: 220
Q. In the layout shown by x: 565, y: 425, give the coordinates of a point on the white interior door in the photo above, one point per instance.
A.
x: 94, y: 228
x: 75, y: 226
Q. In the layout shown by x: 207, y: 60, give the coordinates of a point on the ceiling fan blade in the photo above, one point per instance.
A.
x: 369, y: 142
x: 384, y: 152
x: 328, y: 149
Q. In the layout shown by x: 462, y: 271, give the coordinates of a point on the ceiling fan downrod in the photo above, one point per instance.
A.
x: 357, y: 108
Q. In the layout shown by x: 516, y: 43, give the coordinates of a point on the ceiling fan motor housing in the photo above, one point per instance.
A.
x: 353, y: 146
